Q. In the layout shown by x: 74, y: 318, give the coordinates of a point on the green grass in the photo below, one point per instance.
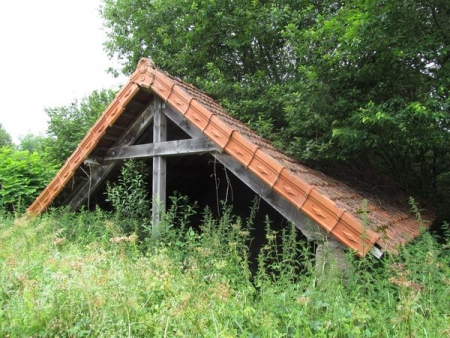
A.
x: 78, y: 275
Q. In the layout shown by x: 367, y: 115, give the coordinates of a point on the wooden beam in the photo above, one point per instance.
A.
x: 159, y: 168
x: 182, y: 122
x: 310, y: 229
x: 116, y: 126
x: 98, y: 174
x: 131, y: 116
x: 168, y: 148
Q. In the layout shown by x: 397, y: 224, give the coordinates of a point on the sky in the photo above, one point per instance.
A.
x: 51, y: 53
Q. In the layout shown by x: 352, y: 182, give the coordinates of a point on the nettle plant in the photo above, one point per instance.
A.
x: 129, y: 197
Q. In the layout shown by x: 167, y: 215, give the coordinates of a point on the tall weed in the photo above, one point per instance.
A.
x: 81, y: 275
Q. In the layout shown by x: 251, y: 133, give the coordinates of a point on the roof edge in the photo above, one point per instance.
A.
x: 84, y: 148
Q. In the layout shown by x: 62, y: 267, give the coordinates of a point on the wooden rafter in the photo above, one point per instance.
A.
x: 99, y: 173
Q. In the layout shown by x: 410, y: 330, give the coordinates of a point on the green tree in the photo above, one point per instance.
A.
x: 68, y: 125
x: 375, y: 88
x: 358, y: 81
x: 5, y: 138
x: 232, y: 49
x: 34, y: 143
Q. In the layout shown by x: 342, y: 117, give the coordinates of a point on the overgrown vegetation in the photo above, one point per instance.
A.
x: 130, y: 199
x: 80, y: 275
x: 357, y: 81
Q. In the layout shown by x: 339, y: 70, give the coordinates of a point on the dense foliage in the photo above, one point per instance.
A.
x: 360, y: 81
x: 35, y: 143
x: 79, y: 275
x: 27, y: 168
x: 23, y: 174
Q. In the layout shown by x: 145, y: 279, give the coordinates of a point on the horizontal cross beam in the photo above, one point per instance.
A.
x: 167, y: 148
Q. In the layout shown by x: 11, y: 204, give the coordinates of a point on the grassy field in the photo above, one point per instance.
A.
x: 79, y: 275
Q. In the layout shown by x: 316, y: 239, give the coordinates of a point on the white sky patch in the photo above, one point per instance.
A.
x: 51, y: 54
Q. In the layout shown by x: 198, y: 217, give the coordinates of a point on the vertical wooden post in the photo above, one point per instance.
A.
x: 159, y: 168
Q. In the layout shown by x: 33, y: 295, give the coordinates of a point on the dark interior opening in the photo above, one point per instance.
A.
x: 207, y: 183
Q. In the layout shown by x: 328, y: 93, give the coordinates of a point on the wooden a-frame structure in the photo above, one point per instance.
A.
x: 136, y: 124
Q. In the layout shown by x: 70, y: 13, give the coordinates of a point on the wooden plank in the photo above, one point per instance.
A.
x: 168, y: 148
x: 159, y: 169
x: 311, y: 230
x: 99, y: 173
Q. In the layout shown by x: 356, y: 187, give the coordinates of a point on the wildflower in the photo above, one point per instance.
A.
x: 117, y: 240
x: 122, y: 239
x: 205, y: 252
x: 109, y: 224
x: 404, y: 282
x: 132, y: 238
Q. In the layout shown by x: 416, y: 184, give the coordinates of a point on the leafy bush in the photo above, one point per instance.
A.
x: 22, y: 176
x: 129, y: 197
